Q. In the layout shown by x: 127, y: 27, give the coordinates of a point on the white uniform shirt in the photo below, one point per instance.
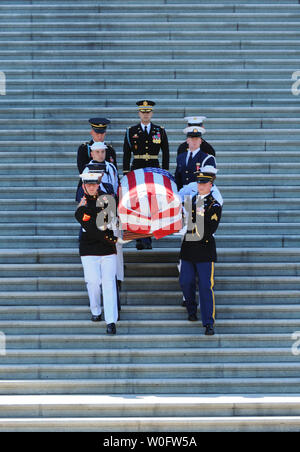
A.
x: 110, y: 177
x: 192, y: 190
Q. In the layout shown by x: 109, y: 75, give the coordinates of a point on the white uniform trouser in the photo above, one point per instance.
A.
x: 120, y: 262
x: 101, y: 270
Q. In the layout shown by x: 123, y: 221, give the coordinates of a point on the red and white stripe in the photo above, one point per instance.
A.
x: 149, y: 204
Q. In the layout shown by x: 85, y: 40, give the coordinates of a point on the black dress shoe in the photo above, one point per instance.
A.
x: 111, y: 328
x: 183, y: 303
x: 148, y: 247
x: 96, y: 318
x: 209, y: 330
x: 192, y: 318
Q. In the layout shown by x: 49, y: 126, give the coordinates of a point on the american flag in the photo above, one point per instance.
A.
x: 149, y: 203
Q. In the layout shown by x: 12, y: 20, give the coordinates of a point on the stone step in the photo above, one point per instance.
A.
x: 228, y: 97
x: 163, y: 255
x: 140, y: 268
x: 166, y: 14
x: 231, y: 94
x: 38, y: 98
x: 214, y: 134
x: 163, y: 74
x: 168, y: 312
x: 157, y: 283
x: 157, y: 424
x: 134, y: 63
x: 145, y: 341
x: 186, y: 44
x: 170, y: 269
x: 139, y: 298
x: 115, y: 372
x: 274, y: 88
x: 172, y: 7
x: 121, y: 123
x: 105, y: 55
x: 151, y: 386
x: 134, y: 3
x: 173, y: 24
x: 149, y: 355
x: 86, y: 408
x: 76, y: 113
x: 215, y: 33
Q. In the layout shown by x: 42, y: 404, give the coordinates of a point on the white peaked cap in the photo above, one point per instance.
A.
x: 208, y: 169
x: 90, y: 177
x: 98, y: 145
x: 194, y: 119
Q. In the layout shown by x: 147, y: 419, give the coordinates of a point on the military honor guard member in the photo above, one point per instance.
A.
x: 97, y: 248
x: 98, y: 133
x: 144, y: 142
x: 192, y: 188
x: 198, y: 253
x: 98, y: 154
x: 109, y: 184
x: 205, y: 146
x: 188, y: 162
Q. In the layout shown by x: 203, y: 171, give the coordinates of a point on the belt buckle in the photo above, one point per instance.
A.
x: 147, y: 157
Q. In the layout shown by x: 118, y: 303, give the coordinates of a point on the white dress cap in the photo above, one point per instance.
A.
x: 98, y: 145
x: 90, y: 177
x: 194, y: 119
x: 208, y: 169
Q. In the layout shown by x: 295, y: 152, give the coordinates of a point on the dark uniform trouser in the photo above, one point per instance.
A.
x: 205, y: 272
x: 147, y: 241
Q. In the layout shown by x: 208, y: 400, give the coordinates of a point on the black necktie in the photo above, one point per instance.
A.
x: 190, y: 160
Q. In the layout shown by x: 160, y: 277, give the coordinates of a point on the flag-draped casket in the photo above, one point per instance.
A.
x: 149, y: 203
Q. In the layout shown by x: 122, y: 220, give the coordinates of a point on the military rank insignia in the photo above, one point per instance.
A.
x: 214, y: 217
